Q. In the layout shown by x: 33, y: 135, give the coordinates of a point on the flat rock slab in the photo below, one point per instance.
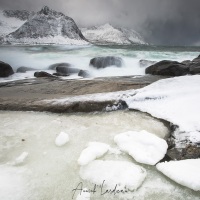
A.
x: 24, y: 95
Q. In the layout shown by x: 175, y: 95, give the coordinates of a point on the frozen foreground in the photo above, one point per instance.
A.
x: 47, y: 171
x: 175, y: 100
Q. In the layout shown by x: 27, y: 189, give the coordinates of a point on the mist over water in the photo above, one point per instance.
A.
x: 41, y: 57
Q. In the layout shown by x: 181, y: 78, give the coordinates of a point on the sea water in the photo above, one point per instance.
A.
x: 49, y: 172
x: 41, y: 57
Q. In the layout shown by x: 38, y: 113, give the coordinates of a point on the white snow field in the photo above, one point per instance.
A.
x: 184, y: 172
x: 50, y: 172
x: 175, y: 100
x: 143, y: 146
x: 120, y: 174
x: 94, y: 150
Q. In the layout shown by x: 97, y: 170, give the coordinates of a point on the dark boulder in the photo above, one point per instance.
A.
x: 43, y: 74
x: 189, y: 152
x: 194, y: 66
x: 84, y: 74
x: 24, y: 69
x: 5, y: 69
x: 146, y: 63
x: 67, y: 70
x: 53, y: 67
x: 186, y: 62
x: 168, y: 68
x: 197, y: 59
x: 103, y: 62
x: 60, y: 74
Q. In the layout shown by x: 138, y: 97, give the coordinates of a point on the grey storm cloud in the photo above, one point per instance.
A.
x: 166, y: 22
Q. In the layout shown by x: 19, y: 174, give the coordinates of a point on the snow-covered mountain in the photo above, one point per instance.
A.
x: 107, y: 34
x: 11, y: 20
x: 47, y: 27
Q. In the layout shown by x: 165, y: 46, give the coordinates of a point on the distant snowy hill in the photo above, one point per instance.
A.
x: 11, y: 20
x: 47, y: 27
x: 107, y: 34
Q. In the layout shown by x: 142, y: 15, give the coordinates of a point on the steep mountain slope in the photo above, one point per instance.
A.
x: 107, y: 34
x: 11, y: 20
x: 47, y: 27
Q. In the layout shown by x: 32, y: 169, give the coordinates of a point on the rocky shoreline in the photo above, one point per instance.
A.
x: 38, y: 95
x: 27, y: 95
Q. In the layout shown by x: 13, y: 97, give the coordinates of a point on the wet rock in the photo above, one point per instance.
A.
x: 197, y: 59
x: 194, y: 66
x: 190, y: 152
x: 103, y: 62
x: 67, y: 70
x: 60, y: 74
x: 186, y: 62
x: 24, y: 69
x: 84, y: 74
x: 5, y: 69
x: 146, y: 63
x: 168, y: 68
x: 119, y: 105
x: 53, y: 67
x: 43, y: 74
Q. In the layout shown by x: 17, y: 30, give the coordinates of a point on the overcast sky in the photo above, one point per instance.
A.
x: 167, y: 22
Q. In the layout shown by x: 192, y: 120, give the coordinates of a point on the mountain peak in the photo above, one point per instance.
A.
x: 45, y: 10
x: 48, y: 11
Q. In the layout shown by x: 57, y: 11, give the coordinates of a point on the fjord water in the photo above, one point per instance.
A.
x: 40, y: 57
x: 52, y: 172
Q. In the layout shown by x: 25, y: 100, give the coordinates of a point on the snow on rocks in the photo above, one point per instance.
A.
x: 94, y: 150
x: 62, y: 139
x: 184, y: 172
x: 120, y: 174
x: 84, y: 195
x: 21, y: 159
x: 175, y: 100
x: 143, y: 146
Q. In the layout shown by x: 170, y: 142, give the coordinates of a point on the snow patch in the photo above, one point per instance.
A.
x: 143, y: 146
x: 184, y: 172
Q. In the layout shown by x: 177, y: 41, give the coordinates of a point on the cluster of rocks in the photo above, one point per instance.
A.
x: 174, y: 68
x: 64, y: 69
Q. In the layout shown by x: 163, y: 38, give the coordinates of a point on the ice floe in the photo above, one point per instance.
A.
x: 62, y: 139
x: 111, y: 174
x: 94, y: 150
x: 143, y: 146
x: 184, y: 172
